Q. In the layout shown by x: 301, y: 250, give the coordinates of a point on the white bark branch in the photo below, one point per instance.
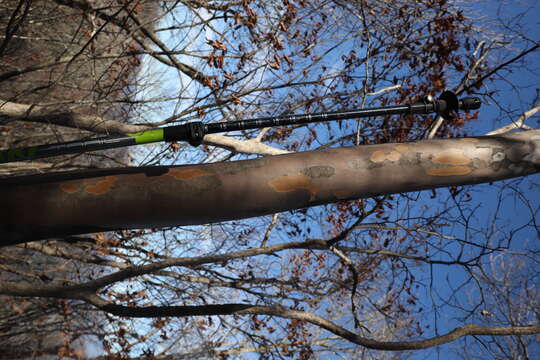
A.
x: 519, y: 124
x: 430, y: 134
x: 251, y: 146
x: 11, y: 111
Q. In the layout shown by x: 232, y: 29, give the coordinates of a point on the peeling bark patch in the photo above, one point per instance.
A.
x: 231, y: 168
x: 498, y: 156
x: 380, y: 156
x: 195, y: 180
x: 449, y: 171
x: 401, y: 148
x: 69, y: 188
x: 187, y: 174
x: 451, y: 157
x: 288, y: 183
x: 316, y: 172
x: 533, y: 156
x: 101, y: 186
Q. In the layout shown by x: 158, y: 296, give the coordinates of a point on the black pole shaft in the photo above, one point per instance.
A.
x: 195, y: 131
x: 418, y: 108
x: 72, y: 147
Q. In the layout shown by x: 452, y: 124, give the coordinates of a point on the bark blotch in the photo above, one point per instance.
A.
x: 316, y: 172
x: 451, y: 157
x: 101, y: 186
x: 449, y: 171
x: 293, y: 182
x: 231, y: 168
x: 498, y: 155
x: 69, y: 188
x: 401, y: 148
x: 381, y: 156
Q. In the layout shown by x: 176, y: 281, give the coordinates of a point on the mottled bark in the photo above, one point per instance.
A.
x: 40, y: 206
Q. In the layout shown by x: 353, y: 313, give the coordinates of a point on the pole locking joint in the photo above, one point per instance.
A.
x: 448, y: 104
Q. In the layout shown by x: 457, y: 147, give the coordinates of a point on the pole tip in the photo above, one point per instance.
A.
x: 470, y: 103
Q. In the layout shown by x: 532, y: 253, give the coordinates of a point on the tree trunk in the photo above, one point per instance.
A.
x: 42, y: 206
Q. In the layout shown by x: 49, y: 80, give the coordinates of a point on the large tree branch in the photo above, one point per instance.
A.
x: 200, y: 194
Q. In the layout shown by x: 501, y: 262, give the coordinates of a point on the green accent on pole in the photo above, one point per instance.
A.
x: 18, y: 154
x: 145, y: 137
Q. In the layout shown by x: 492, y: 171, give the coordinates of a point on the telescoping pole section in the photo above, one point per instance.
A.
x: 194, y: 132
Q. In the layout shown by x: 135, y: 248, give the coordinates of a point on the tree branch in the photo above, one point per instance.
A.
x: 169, y: 60
x: 251, y: 146
x: 519, y: 124
x: 249, y: 309
x: 499, y: 67
x: 10, y: 111
x: 127, y: 272
x: 279, y: 311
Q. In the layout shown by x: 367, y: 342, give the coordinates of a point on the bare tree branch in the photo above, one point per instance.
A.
x: 519, y: 123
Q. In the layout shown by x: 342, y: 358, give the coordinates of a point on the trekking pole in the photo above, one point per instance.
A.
x: 194, y: 132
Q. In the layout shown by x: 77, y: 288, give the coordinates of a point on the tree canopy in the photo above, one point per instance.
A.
x: 451, y: 270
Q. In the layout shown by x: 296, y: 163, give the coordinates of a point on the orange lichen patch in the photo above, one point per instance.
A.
x: 380, y: 156
x: 69, y: 188
x: 469, y: 140
x: 102, y: 186
x: 342, y: 194
x: 449, y: 171
x: 401, y: 148
x: 294, y: 182
x: 393, y: 156
x: 451, y: 157
x: 186, y: 174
